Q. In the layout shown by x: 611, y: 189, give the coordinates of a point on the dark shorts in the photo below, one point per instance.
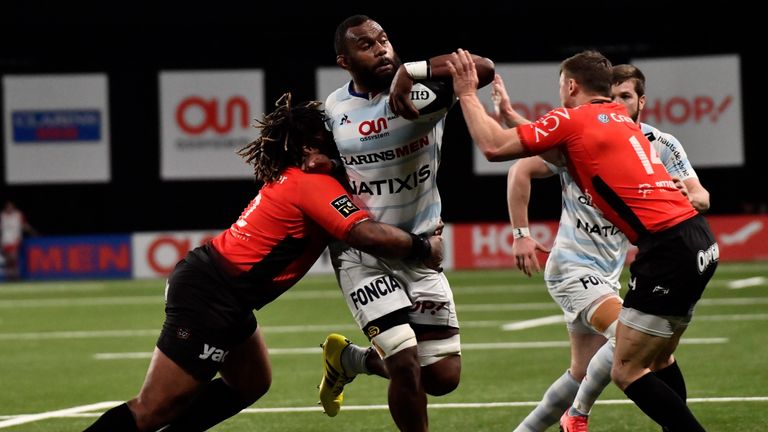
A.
x: 672, y: 269
x: 203, y: 319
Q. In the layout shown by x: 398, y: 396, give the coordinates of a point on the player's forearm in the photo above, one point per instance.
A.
x: 388, y: 241
x: 697, y: 195
x: 518, y: 196
x: 485, y: 68
x: 496, y: 143
x: 512, y: 118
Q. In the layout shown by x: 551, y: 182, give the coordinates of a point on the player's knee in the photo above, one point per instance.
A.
x: 254, y: 390
x: 604, y: 314
x: 151, y: 414
x: 621, y: 376
x: 441, y: 364
x: 442, y: 377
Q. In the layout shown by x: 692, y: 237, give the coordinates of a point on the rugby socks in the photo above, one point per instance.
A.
x: 673, y: 377
x: 118, y: 419
x: 353, y: 360
x: 556, y: 400
x: 662, y: 404
x: 215, y: 403
x: 597, y: 378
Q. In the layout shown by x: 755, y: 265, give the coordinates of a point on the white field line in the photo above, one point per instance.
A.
x: 531, y: 323
x: 464, y: 347
x: 506, y: 325
x: 28, y: 418
x: 84, y: 411
x: 748, y: 282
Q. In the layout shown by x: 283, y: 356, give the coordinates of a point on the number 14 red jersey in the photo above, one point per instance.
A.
x: 613, y: 164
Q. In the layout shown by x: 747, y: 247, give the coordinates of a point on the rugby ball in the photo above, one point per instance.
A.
x: 432, y: 97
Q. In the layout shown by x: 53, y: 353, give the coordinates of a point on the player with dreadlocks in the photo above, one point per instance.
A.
x: 210, y: 326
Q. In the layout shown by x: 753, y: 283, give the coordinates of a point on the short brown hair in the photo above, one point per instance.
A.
x: 626, y: 72
x: 591, y: 70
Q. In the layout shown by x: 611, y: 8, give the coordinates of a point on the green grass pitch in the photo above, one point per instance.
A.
x: 68, y: 345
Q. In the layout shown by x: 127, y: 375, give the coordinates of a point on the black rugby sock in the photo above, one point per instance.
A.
x: 215, y: 403
x: 662, y: 404
x: 673, y: 377
x: 118, y: 419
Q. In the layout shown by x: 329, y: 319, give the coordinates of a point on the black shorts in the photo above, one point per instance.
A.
x: 203, y: 318
x: 672, y: 269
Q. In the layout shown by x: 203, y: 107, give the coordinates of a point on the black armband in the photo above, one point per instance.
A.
x: 421, y: 249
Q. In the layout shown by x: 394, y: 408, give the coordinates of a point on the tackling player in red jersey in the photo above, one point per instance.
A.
x: 677, y: 251
x: 210, y: 327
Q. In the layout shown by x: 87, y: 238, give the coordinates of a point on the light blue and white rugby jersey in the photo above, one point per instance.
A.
x: 391, y: 162
x: 670, y: 152
x: 588, y: 242
x: 585, y: 242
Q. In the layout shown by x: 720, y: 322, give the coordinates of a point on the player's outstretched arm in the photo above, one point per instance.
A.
x: 519, y: 178
x: 496, y: 143
x: 388, y: 241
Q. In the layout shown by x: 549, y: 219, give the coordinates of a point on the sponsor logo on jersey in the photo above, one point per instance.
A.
x: 602, y: 230
x: 213, y: 353
x: 392, y: 185
x: 344, y: 206
x: 387, y: 155
x: 376, y: 289
x: 603, y: 118
x: 549, y: 122
x: 707, y: 257
x: 586, y: 199
x: 344, y: 120
x: 373, y: 129
x: 660, y: 289
x: 620, y: 118
x: 644, y: 189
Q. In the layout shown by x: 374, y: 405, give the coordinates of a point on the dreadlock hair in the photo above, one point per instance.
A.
x: 284, y: 134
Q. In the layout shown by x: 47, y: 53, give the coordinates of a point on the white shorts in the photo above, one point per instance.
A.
x: 575, y: 296
x: 374, y: 287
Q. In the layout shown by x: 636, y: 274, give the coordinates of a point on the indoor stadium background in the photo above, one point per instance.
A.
x: 164, y: 93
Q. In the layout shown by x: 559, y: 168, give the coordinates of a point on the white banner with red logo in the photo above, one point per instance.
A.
x: 206, y: 117
x: 156, y: 254
x: 533, y: 92
x: 698, y: 100
x: 56, y: 128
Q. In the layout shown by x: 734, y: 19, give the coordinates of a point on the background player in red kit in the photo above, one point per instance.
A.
x: 211, y: 294
x: 677, y: 251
